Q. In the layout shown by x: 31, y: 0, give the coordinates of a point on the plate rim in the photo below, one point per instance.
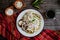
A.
x: 22, y: 30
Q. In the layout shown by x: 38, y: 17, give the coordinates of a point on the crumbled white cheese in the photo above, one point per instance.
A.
x: 20, y: 22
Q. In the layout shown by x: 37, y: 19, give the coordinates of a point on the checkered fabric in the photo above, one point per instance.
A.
x: 8, y: 30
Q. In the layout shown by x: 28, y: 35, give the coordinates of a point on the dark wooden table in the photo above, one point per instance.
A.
x: 48, y: 4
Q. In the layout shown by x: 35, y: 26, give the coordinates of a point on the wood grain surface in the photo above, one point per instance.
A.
x: 47, y: 4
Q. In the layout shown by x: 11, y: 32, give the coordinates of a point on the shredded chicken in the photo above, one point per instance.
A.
x: 30, y: 22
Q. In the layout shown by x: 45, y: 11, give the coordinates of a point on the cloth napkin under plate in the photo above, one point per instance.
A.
x: 8, y: 30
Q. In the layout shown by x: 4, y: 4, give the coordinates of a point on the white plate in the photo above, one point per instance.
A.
x: 23, y: 32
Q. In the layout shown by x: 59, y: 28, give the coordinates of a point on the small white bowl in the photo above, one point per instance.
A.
x: 25, y: 33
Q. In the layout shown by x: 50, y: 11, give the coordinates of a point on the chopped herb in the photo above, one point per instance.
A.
x: 36, y: 3
x: 33, y: 20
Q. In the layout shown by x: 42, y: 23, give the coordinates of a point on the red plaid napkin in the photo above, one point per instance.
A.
x: 8, y: 30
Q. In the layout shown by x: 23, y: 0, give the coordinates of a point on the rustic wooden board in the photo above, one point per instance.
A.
x: 48, y: 4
